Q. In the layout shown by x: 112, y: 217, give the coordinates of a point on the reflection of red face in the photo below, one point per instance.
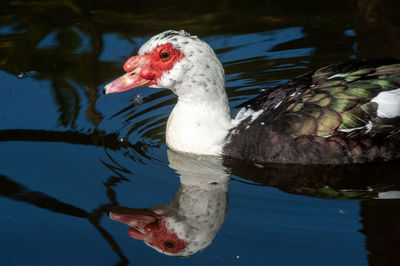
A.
x: 146, y: 69
x: 150, y: 227
x: 158, y: 235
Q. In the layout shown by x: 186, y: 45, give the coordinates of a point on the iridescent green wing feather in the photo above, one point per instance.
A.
x: 339, y: 99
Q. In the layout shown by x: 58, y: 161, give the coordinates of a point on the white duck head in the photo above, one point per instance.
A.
x: 200, y: 121
x: 175, y: 60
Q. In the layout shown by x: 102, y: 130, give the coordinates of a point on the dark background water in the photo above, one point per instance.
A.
x: 69, y: 154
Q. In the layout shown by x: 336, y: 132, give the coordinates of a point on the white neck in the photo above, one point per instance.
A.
x: 200, y: 121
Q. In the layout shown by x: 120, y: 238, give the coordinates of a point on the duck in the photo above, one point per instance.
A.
x: 344, y: 113
x: 191, y: 220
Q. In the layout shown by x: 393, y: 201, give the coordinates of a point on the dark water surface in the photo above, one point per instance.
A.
x: 69, y: 155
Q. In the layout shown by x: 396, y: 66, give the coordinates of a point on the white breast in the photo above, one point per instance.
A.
x: 199, y: 129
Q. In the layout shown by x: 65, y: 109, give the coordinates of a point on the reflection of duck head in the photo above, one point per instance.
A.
x: 190, y: 221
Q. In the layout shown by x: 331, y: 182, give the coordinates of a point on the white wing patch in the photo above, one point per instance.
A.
x: 245, y: 113
x: 368, y: 128
x: 389, y: 195
x: 351, y: 129
x: 276, y: 106
x: 339, y: 75
x: 388, y: 103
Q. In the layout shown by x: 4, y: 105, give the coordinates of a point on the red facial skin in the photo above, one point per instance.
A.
x: 145, y: 70
x: 150, y: 227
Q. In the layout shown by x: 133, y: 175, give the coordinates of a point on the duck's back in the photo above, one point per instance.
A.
x: 342, y: 113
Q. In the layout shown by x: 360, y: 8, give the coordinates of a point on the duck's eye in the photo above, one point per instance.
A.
x: 165, y: 55
x: 169, y: 244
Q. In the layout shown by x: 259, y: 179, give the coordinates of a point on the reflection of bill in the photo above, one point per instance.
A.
x: 190, y: 221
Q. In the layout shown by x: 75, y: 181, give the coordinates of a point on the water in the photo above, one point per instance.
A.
x: 69, y: 155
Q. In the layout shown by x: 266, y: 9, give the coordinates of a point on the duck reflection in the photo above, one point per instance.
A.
x: 190, y: 221
x: 349, y: 182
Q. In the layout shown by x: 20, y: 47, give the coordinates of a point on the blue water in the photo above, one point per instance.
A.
x: 57, y: 189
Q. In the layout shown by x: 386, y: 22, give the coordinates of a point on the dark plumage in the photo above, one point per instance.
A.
x: 321, y: 120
